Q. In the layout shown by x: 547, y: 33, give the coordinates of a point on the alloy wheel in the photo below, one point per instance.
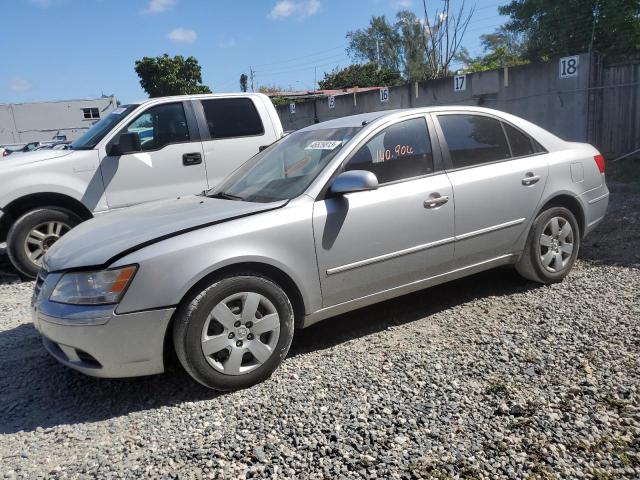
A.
x: 240, y: 333
x: 42, y: 237
x: 556, y: 244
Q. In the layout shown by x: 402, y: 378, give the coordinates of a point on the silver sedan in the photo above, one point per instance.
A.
x: 334, y: 217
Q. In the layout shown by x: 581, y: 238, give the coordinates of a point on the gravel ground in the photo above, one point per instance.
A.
x: 486, y: 377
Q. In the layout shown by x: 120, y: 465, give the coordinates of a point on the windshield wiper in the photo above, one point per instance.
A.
x: 226, y: 196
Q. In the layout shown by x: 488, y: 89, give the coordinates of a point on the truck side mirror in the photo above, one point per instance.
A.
x: 128, y: 142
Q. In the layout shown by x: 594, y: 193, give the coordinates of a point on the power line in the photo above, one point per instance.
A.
x: 303, y: 57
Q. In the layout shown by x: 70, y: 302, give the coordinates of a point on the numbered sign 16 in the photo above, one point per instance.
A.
x: 569, y: 66
x: 332, y: 102
x: 384, y: 95
x: 292, y: 108
x: 459, y: 83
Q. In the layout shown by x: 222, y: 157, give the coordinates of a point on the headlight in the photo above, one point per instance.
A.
x: 93, y: 288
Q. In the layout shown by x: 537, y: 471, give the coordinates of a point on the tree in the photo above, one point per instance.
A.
x: 420, y: 48
x: 501, y: 49
x: 574, y: 26
x: 243, y: 82
x: 443, y: 35
x: 165, y: 75
x: 379, y: 43
x: 367, y: 75
x: 411, y: 31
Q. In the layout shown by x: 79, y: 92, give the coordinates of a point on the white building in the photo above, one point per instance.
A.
x: 45, y: 121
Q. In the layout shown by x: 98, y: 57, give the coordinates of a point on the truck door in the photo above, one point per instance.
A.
x: 169, y: 164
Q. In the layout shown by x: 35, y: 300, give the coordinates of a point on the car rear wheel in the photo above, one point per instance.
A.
x: 552, y: 246
x: 31, y: 236
x: 234, y: 333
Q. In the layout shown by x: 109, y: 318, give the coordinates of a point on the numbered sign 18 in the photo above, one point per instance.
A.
x: 459, y: 83
x: 384, y: 95
x: 332, y: 102
x: 292, y: 108
x: 569, y: 66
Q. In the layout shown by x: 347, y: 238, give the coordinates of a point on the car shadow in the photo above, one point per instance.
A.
x: 36, y: 391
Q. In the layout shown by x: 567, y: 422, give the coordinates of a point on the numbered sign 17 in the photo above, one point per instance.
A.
x: 384, y: 95
x: 569, y: 66
x: 332, y: 102
x: 459, y: 83
x: 292, y: 108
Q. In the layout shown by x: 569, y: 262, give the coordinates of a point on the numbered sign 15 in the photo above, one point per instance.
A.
x: 459, y: 83
x: 384, y: 94
x: 292, y: 108
x: 569, y: 66
x: 332, y: 102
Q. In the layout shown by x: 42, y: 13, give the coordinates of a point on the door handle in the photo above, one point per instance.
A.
x: 530, y: 179
x: 435, y: 200
x: 189, y: 159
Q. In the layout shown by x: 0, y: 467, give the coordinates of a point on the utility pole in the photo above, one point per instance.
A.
x: 596, y: 14
x: 315, y: 78
x: 378, y: 52
x: 251, y: 76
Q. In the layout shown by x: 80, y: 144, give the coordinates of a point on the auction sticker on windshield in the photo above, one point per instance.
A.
x: 324, y: 145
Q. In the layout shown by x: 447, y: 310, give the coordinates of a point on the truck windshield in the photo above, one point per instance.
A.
x: 91, y: 138
x: 285, y: 169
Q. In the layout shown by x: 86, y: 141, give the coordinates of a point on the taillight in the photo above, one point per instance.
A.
x: 600, y: 162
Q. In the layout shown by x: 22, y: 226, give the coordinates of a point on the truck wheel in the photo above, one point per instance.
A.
x: 32, y: 235
x: 551, y: 248
x: 234, y: 333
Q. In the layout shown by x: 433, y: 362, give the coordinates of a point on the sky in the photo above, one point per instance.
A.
x: 67, y: 49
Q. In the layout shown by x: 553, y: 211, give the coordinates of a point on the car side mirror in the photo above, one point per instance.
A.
x: 127, y: 143
x: 354, y: 181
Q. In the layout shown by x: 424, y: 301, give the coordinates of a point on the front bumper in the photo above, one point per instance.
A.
x: 128, y: 345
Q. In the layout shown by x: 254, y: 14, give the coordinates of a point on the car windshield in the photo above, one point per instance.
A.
x: 96, y: 133
x: 285, y: 170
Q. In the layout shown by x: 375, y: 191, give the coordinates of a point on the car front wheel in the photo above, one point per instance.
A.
x: 31, y: 236
x: 234, y: 333
x: 552, y: 246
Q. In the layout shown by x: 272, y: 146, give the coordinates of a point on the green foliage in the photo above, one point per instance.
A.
x: 558, y: 28
x: 501, y: 49
x: 243, y: 82
x: 165, y: 75
x: 357, y: 75
x: 379, y: 37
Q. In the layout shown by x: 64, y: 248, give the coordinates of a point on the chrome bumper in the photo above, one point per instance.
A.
x: 127, y: 345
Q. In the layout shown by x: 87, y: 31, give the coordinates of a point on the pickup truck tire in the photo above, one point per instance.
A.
x: 33, y: 233
x: 234, y: 333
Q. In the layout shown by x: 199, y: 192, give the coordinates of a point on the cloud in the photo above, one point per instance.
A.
x: 154, y: 6
x: 294, y: 8
x: 19, y: 84
x: 182, y: 35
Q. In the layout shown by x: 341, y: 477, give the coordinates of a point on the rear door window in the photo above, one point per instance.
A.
x: 232, y: 117
x: 474, y: 139
x: 521, y: 144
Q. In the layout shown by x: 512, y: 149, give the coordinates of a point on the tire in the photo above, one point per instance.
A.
x: 557, y: 227
x: 25, y: 232
x: 231, y: 341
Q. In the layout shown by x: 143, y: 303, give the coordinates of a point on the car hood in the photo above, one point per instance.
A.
x: 25, y: 158
x: 99, y: 240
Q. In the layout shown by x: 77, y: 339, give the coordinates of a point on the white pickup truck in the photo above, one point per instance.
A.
x: 159, y: 148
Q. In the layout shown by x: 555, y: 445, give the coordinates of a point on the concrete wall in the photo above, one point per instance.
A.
x: 30, y: 122
x: 534, y: 92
